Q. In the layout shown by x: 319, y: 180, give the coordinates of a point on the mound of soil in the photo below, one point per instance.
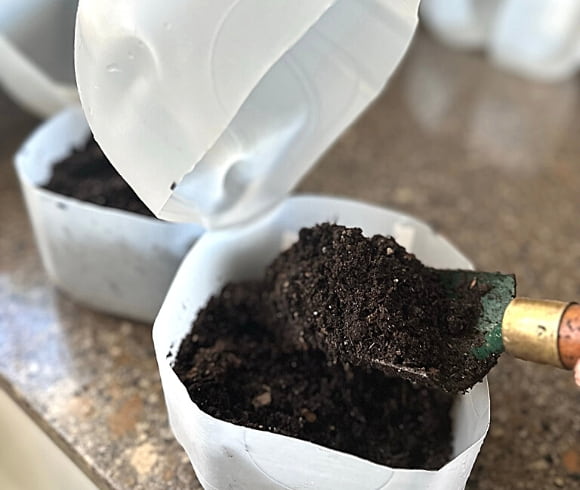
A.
x: 369, y: 302
x: 236, y: 369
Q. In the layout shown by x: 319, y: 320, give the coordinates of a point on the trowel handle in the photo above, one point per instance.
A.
x: 543, y: 331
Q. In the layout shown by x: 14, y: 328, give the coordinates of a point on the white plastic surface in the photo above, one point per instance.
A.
x: 36, y: 53
x: 229, y: 456
x: 213, y: 110
x: 111, y: 260
x: 538, y: 39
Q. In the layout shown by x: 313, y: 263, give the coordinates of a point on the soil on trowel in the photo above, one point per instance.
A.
x: 236, y: 370
x: 295, y: 352
x: 369, y: 302
x: 86, y: 174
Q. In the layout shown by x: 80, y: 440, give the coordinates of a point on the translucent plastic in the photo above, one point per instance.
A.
x: 230, y: 456
x: 213, y: 111
x: 108, y: 259
x: 36, y: 53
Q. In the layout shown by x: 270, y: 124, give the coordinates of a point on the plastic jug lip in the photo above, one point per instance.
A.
x: 36, y: 54
x: 213, y: 122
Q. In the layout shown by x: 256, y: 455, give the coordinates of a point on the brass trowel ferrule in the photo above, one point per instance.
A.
x: 530, y: 330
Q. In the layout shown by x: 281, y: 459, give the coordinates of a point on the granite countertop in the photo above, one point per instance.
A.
x: 491, y: 161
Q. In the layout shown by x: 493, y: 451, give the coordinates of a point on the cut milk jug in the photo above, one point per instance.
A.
x: 213, y: 111
x: 108, y: 259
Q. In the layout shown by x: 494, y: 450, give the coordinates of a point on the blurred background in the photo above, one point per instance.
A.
x: 477, y: 134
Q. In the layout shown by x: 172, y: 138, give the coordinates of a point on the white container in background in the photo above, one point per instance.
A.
x: 36, y: 53
x: 537, y: 39
x: 225, y: 455
x: 109, y: 259
x: 213, y: 111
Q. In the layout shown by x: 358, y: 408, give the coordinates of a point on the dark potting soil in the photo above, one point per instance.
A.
x: 294, y: 353
x: 86, y: 174
x: 236, y: 369
x: 369, y: 302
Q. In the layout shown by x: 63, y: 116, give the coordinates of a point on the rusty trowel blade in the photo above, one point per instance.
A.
x: 499, y: 289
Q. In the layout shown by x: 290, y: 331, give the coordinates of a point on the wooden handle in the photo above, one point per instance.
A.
x: 569, y: 336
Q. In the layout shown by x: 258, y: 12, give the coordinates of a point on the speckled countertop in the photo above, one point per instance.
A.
x: 491, y: 161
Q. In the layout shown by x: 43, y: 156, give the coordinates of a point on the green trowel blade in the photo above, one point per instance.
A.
x: 499, y: 290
